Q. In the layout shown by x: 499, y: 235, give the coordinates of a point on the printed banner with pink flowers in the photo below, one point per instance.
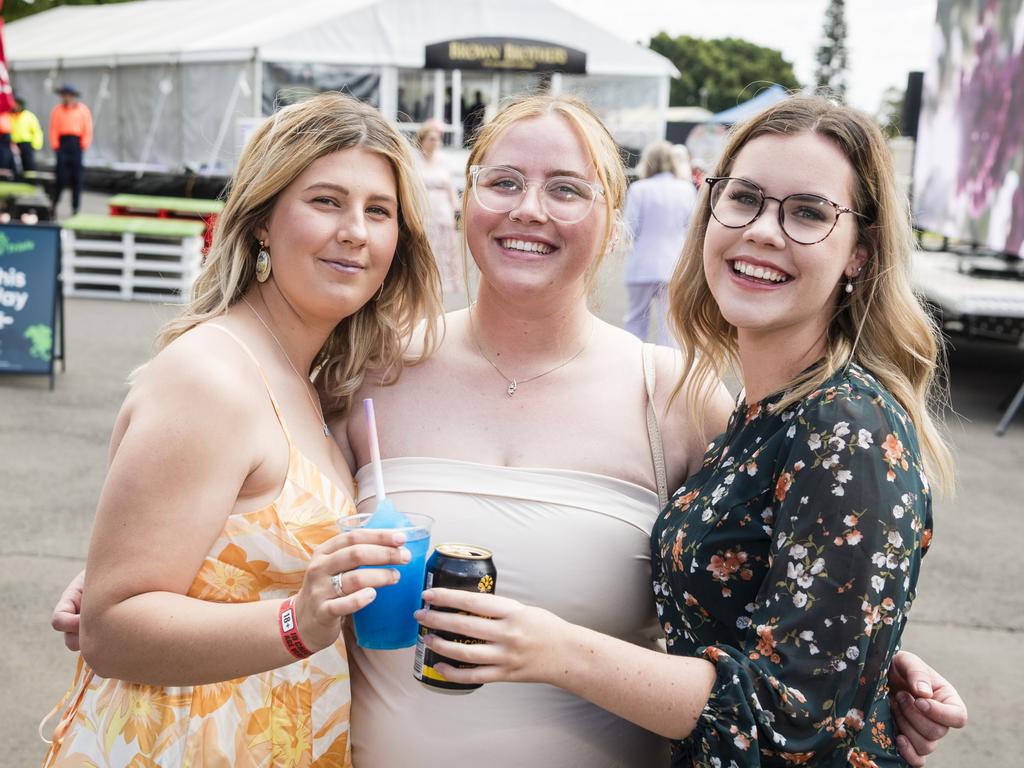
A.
x: 969, y: 159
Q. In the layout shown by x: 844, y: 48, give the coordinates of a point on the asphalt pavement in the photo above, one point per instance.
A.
x: 968, y: 619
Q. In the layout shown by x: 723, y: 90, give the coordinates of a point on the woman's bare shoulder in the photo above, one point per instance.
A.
x: 613, y: 340
x: 416, y: 362
x: 692, y: 421
x: 201, y: 374
x: 418, y: 341
x: 626, y: 349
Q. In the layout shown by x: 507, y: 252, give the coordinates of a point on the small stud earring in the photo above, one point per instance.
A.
x: 263, y: 263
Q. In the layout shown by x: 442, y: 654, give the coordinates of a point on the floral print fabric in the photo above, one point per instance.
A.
x: 292, y: 717
x: 790, y: 560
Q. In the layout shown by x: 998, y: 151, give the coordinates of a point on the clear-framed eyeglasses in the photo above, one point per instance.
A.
x: 566, y: 199
x: 804, y: 217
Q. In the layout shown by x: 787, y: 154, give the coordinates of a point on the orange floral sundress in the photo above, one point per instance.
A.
x: 295, y: 716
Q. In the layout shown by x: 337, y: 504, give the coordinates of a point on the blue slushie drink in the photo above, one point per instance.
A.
x: 387, y: 623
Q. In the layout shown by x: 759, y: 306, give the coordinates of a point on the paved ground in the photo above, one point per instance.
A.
x: 968, y: 620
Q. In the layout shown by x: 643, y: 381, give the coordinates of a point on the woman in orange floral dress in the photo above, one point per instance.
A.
x: 217, y: 578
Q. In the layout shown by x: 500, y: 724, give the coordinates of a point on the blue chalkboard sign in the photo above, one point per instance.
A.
x: 29, y: 299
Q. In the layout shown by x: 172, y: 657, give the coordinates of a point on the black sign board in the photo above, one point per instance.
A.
x: 30, y: 298
x: 505, y: 53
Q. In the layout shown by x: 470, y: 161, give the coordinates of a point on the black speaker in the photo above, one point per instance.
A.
x: 912, y: 104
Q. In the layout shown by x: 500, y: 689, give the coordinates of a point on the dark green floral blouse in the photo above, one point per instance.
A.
x: 790, y: 560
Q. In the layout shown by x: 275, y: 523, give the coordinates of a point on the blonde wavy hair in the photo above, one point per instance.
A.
x: 376, y: 335
x: 881, y: 325
x: 658, y: 157
x: 601, y: 147
x: 429, y: 126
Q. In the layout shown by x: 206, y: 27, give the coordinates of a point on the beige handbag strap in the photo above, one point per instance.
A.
x: 653, y: 431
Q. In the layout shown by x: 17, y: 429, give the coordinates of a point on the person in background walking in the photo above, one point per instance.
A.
x: 443, y: 203
x: 70, y: 136
x: 658, y: 210
x: 26, y: 133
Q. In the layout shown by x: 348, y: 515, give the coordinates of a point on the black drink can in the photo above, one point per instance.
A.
x: 452, y: 566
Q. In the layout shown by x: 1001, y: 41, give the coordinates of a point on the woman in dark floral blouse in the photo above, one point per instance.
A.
x: 784, y: 567
x: 790, y: 559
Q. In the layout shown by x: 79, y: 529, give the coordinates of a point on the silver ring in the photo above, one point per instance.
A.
x: 338, y: 586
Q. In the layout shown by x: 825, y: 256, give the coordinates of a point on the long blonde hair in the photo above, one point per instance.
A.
x: 599, y: 143
x: 658, y: 157
x: 281, y: 148
x: 881, y: 324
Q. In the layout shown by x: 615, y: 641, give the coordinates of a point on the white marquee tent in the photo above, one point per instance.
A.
x: 178, y: 83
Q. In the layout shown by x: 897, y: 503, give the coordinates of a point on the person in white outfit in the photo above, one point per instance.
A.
x: 658, y: 210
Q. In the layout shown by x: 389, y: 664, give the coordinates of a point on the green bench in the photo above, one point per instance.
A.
x: 165, y: 207
x: 17, y: 189
x: 170, y: 208
x: 19, y: 197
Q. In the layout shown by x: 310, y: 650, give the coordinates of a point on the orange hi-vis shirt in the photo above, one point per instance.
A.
x: 75, y: 120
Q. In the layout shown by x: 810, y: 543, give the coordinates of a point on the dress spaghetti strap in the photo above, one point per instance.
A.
x: 266, y: 383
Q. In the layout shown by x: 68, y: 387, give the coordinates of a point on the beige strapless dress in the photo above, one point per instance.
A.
x: 575, y: 543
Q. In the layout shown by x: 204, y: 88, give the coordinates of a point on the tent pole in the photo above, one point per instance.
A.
x: 439, y: 95
x: 225, y: 121
x: 492, y: 108
x: 456, y: 107
x: 101, y: 99
x: 664, y: 87
x: 165, y: 87
x: 388, y: 97
x: 257, y: 84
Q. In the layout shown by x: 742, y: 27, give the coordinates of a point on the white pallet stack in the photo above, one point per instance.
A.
x: 129, y: 265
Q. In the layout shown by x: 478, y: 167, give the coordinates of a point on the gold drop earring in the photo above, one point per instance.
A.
x: 263, y: 263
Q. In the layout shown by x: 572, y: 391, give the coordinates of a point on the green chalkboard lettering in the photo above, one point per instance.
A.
x: 9, y: 246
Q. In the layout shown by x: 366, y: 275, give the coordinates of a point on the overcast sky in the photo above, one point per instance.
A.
x: 887, y: 38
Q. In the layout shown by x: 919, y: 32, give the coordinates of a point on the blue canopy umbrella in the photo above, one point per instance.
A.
x: 770, y: 95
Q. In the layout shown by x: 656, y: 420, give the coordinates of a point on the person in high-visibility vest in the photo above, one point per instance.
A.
x: 70, y: 136
x: 26, y: 133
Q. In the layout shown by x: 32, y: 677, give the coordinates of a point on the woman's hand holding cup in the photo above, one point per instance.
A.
x: 335, y: 585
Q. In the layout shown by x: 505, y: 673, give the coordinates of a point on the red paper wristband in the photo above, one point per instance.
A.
x: 290, y: 630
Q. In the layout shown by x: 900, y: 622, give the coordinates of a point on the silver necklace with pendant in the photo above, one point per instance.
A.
x: 511, y: 381
x: 305, y: 379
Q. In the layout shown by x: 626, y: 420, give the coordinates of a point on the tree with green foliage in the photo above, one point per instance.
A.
x: 17, y: 9
x: 890, y: 114
x: 718, y: 74
x: 831, y: 55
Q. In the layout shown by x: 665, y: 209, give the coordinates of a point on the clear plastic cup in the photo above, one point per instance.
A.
x: 387, y: 623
